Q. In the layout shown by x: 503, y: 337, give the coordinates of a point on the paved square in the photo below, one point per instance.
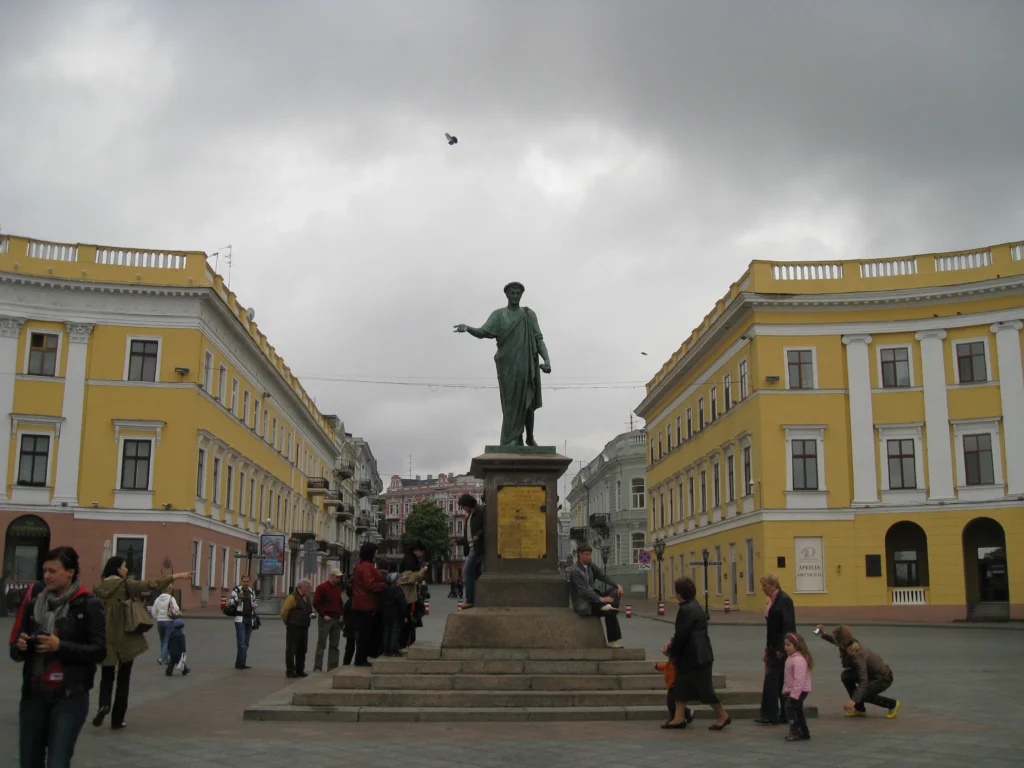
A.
x: 960, y: 688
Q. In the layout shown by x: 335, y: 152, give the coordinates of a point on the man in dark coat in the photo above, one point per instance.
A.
x: 780, y: 619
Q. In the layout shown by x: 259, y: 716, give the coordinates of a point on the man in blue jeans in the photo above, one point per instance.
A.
x: 472, y: 545
x: 242, y: 605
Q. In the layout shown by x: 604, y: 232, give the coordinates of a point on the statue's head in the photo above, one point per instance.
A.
x: 514, y: 292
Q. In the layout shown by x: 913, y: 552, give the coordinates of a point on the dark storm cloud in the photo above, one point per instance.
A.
x: 625, y: 161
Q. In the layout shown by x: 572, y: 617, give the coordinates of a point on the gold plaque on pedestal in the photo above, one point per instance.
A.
x: 522, y: 522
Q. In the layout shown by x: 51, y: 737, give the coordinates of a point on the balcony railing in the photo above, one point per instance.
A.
x: 318, y: 486
x: 344, y: 512
x: 333, y: 499
x: 365, y: 488
x: 344, y: 469
x: 599, y: 522
x: 910, y: 595
x: 363, y: 522
x: 578, y: 534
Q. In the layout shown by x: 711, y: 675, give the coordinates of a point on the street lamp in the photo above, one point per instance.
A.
x: 659, y: 551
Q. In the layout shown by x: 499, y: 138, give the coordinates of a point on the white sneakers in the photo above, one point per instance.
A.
x: 609, y: 607
x: 615, y: 644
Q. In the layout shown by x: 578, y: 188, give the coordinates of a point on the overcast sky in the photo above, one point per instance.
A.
x: 623, y: 160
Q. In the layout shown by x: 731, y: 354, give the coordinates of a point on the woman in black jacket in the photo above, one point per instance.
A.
x: 690, y: 650
x: 60, y: 635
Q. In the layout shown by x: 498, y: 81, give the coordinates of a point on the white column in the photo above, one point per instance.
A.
x: 10, y: 328
x: 69, y: 449
x: 862, y: 423
x: 1011, y: 392
x: 936, y: 415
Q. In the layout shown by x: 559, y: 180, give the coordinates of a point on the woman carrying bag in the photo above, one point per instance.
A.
x: 127, y: 621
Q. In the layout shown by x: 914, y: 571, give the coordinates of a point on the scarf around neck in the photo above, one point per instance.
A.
x: 50, y: 607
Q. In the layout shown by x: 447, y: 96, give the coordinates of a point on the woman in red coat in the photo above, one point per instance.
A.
x: 367, y: 584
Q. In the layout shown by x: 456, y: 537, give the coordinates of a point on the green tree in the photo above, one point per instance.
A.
x: 427, y: 524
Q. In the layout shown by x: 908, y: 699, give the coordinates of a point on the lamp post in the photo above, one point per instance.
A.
x: 659, y: 551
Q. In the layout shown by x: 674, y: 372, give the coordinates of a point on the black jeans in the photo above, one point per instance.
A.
x: 392, y: 635
x: 124, y: 681
x: 365, y: 636
x: 875, y: 687
x: 296, y: 643
x: 611, y: 618
x: 773, y: 703
x: 795, y: 714
x: 48, y: 729
x: 350, y: 650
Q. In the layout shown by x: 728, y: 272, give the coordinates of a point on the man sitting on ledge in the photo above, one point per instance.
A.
x: 587, y: 601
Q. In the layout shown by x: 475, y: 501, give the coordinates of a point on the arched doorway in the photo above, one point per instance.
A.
x: 26, y: 541
x: 985, y: 570
x: 906, y: 558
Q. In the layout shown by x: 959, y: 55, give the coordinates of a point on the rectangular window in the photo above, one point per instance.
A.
x: 252, y: 496
x: 216, y: 481
x: 805, y: 465
x: 895, y: 367
x: 244, y: 415
x: 639, y: 492
x: 35, y: 452
x: 222, y: 385
x: 727, y: 391
x: 970, y: 362
x: 902, y: 469
x: 661, y: 445
x: 716, y: 484
x: 273, y: 432
x: 638, y: 544
x: 748, y: 473
x: 700, y: 413
x: 692, y: 506
x: 197, y: 548
x: 234, y: 397
x: 241, y: 493
x: 744, y: 390
x: 905, y: 572
x: 224, y: 568
x: 201, y: 475
x: 231, y: 481
x: 135, y: 462
x: 714, y: 403
x: 679, y: 429
x: 703, y: 490
x: 255, y: 414
x: 263, y: 489
x: 978, y: 459
x: 277, y: 513
x: 133, y: 550
x: 730, y: 476
x: 238, y: 567
x: 718, y: 569
x: 265, y: 432
x: 212, y: 564
x: 748, y: 566
x: 42, y: 355
x: 689, y: 423
x: 671, y: 508
x: 661, y: 508
x: 652, y: 450
x: 668, y: 438
x: 208, y: 372
x: 800, y: 363
x: 142, y: 356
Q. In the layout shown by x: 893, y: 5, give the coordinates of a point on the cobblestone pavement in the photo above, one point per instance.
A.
x: 960, y: 691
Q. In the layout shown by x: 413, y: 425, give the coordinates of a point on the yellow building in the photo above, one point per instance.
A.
x: 856, y: 428
x: 149, y: 417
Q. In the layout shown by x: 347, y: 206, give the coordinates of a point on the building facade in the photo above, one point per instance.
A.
x: 608, y: 502
x: 398, y: 500
x: 855, y: 428
x: 150, y: 418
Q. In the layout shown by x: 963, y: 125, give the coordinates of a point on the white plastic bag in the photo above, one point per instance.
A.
x: 180, y: 666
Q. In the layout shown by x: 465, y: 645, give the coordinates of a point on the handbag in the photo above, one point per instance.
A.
x: 136, y: 618
x: 256, y: 623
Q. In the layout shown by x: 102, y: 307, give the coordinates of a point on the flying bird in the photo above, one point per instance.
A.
x: 452, y: 140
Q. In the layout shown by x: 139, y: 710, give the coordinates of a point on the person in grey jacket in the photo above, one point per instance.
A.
x: 588, y: 601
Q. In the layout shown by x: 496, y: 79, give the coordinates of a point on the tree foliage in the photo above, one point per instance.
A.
x: 427, y: 524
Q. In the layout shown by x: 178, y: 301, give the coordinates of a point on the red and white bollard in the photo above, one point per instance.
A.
x: 629, y: 611
x: 460, y: 606
x: 661, y: 609
x: 426, y: 607
x: 223, y: 602
x: 728, y: 606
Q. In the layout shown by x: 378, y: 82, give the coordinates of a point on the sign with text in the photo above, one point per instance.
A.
x: 272, y: 548
x: 522, y: 522
x: 810, y: 564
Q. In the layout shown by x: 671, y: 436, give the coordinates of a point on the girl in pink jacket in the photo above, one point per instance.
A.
x: 796, y: 685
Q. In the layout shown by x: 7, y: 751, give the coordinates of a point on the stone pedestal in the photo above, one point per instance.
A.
x: 521, y: 581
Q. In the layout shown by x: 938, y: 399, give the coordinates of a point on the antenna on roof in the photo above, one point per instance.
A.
x: 228, y: 257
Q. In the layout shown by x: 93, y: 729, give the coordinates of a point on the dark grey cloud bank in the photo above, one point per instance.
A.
x: 625, y: 161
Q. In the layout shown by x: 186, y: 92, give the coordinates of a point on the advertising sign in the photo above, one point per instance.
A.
x: 272, y: 549
x: 810, y: 564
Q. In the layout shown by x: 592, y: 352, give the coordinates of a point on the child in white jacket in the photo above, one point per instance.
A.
x: 796, y: 685
x: 165, y: 610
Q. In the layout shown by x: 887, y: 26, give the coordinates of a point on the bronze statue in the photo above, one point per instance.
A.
x: 519, y: 344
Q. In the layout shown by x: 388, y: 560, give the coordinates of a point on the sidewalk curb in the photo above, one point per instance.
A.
x: 1008, y: 626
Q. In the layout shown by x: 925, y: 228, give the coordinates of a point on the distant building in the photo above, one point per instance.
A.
x: 607, y: 505
x: 445, y: 489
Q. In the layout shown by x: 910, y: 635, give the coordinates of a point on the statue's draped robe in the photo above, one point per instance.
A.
x: 518, y: 336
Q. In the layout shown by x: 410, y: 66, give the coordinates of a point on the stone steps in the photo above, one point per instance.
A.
x: 289, y: 713
x: 493, y: 682
x: 383, y: 666
x: 417, y: 653
x: 490, y: 698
